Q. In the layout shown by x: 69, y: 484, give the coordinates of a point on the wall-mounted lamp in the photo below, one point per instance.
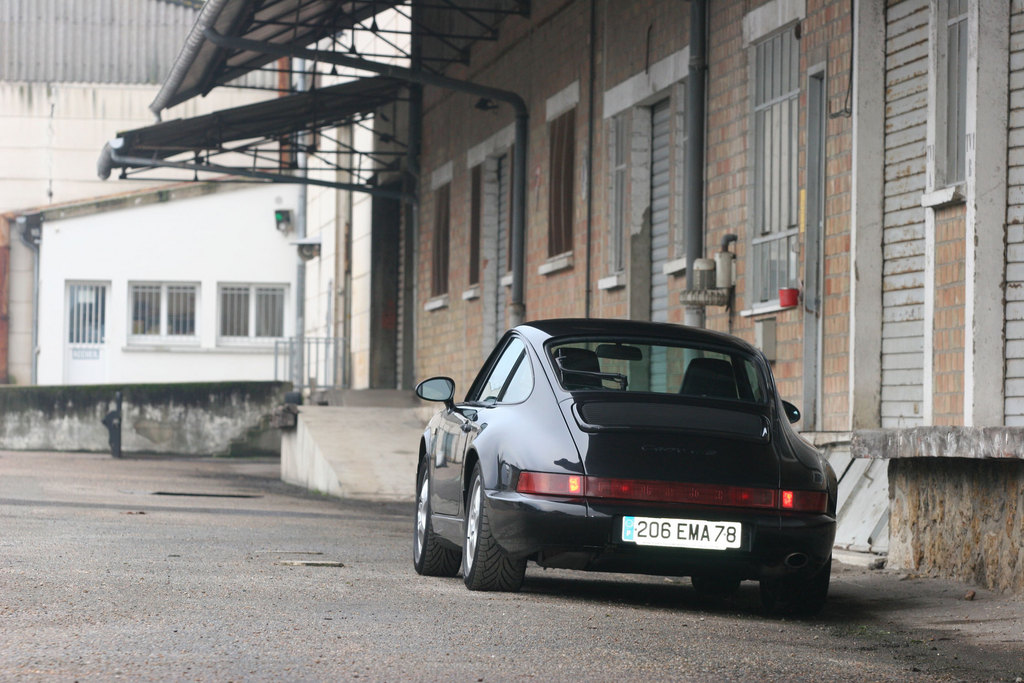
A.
x: 283, y: 220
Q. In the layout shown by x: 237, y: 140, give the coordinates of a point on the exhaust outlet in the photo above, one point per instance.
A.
x: 796, y: 560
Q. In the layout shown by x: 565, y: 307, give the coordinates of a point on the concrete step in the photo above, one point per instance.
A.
x: 355, y: 452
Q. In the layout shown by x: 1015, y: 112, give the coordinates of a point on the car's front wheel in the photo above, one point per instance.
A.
x: 485, y: 566
x: 430, y: 556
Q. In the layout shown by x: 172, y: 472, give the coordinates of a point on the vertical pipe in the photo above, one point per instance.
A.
x: 517, y: 306
x: 695, y: 99
x: 590, y: 156
x: 300, y: 232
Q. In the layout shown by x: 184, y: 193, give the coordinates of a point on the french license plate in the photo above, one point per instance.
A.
x: 681, y: 533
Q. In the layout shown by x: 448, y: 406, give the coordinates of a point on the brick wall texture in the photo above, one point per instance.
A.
x: 553, y: 50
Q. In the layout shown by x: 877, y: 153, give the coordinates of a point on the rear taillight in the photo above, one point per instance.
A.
x: 638, y: 490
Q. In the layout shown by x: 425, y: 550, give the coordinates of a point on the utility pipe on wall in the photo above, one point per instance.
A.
x: 695, y: 102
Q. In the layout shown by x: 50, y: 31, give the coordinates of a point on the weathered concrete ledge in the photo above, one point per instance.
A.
x: 939, y: 442
x: 956, y: 501
x: 203, y: 418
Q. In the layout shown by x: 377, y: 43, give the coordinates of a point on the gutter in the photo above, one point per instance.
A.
x: 516, y: 304
x: 193, y: 42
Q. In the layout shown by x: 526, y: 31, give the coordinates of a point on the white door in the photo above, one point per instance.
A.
x: 85, y: 355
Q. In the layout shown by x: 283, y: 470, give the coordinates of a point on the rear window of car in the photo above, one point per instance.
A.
x: 655, y: 367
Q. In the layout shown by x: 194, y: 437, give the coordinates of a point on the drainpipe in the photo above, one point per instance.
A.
x: 298, y: 358
x: 30, y: 232
x: 590, y: 157
x: 695, y: 101
x: 517, y: 305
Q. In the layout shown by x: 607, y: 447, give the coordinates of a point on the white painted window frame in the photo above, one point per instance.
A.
x: 163, y: 337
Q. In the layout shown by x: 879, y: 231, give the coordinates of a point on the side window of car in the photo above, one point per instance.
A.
x: 510, y: 380
x: 521, y: 383
x: 506, y: 365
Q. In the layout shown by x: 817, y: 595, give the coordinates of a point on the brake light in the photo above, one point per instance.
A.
x: 638, y: 490
x: 805, y: 501
x: 544, y: 484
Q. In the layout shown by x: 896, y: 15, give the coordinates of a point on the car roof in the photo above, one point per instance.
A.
x: 540, y: 331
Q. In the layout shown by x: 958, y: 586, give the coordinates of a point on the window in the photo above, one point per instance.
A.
x: 251, y: 311
x: 439, y: 270
x: 475, y: 209
x: 511, y: 379
x: 562, y: 139
x: 626, y: 365
x: 956, y: 89
x: 87, y: 314
x: 162, y: 310
x: 620, y: 186
x: 776, y: 117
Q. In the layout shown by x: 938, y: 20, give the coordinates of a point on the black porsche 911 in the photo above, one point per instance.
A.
x: 622, y: 446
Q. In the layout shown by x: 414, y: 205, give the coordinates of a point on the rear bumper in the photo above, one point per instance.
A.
x: 575, y: 534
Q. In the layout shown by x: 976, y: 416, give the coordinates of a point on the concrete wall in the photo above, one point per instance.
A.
x: 180, y: 419
x: 959, y: 518
x: 956, y: 501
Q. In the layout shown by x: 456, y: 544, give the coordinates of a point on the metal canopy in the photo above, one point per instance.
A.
x: 436, y: 34
x: 445, y: 28
x: 266, y: 135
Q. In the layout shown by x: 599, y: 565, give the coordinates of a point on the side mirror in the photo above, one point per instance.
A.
x: 792, y: 412
x: 440, y: 389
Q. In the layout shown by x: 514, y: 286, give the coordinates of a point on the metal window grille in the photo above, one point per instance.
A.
x: 956, y: 89
x: 562, y: 140
x: 269, y: 311
x: 776, y: 117
x: 87, y: 311
x: 620, y: 154
x: 181, y: 310
x: 234, y: 311
x: 146, y: 309
x: 439, y: 271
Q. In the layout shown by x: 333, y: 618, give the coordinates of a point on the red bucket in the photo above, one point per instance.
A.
x: 788, y: 297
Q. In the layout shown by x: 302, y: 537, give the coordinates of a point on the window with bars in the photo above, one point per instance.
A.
x: 439, y: 263
x: 562, y: 141
x: 161, y: 310
x: 775, y: 211
x: 87, y: 314
x: 955, y: 15
x: 251, y: 311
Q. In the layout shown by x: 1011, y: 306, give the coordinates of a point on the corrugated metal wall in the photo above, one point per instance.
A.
x: 1014, y: 405
x: 904, y: 224
x: 99, y: 41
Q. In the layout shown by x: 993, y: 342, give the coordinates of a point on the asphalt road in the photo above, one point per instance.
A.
x: 185, y: 569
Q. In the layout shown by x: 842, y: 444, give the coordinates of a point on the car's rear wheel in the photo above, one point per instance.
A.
x: 485, y: 566
x: 430, y: 556
x: 802, y: 598
x: 715, y: 586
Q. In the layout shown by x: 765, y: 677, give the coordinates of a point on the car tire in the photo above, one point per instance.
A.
x: 792, y: 597
x: 430, y: 556
x: 485, y: 566
x: 715, y: 586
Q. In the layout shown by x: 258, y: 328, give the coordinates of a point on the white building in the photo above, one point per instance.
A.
x: 190, y: 284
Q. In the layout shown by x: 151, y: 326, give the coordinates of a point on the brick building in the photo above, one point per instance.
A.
x: 866, y: 156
